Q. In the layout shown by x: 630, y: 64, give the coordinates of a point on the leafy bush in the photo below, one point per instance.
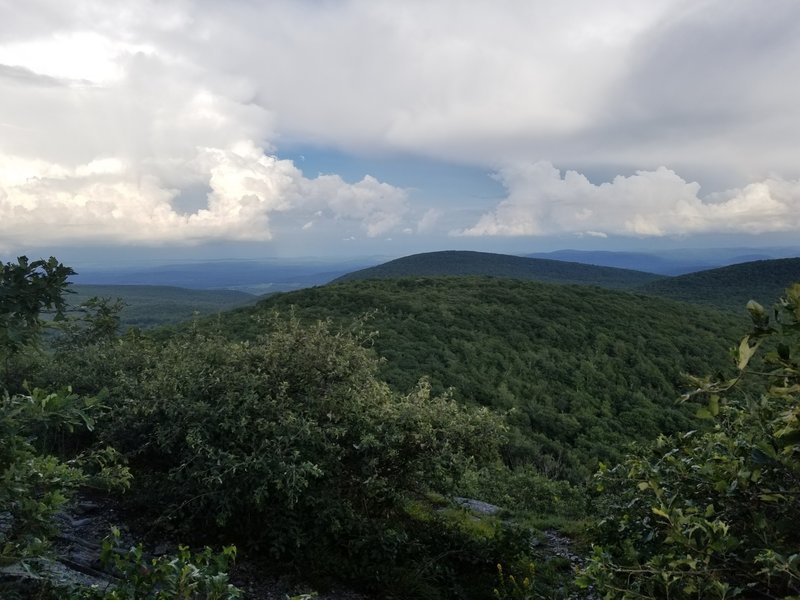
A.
x: 511, y: 587
x: 26, y: 289
x: 187, y: 575
x: 34, y: 485
x: 714, y: 515
x: 525, y: 489
x: 40, y: 466
x: 290, y: 444
x: 461, y: 550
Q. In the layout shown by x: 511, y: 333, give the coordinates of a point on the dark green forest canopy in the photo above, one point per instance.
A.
x: 586, y: 370
x: 730, y: 287
x: 459, y: 262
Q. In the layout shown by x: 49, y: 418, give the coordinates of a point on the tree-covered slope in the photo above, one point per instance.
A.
x: 456, y: 262
x: 153, y: 305
x: 585, y: 370
x: 730, y: 287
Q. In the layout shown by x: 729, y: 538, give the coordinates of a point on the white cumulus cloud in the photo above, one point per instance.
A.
x: 542, y: 201
x: 110, y: 200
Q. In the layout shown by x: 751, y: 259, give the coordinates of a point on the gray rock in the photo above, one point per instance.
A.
x: 6, y: 524
x: 57, y: 573
x: 477, y: 506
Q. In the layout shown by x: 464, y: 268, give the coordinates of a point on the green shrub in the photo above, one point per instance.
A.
x: 714, y: 514
x: 34, y: 484
x: 513, y: 587
x: 524, y: 488
x: 41, y: 466
x: 186, y: 575
x: 290, y: 444
x: 26, y: 289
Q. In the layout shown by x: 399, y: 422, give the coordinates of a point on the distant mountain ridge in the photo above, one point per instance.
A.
x: 637, y: 261
x: 670, y: 262
x: 252, y: 276
x: 462, y: 262
x: 730, y: 287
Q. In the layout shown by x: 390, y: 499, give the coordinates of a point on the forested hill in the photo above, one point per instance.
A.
x: 731, y: 287
x: 456, y: 262
x: 585, y: 369
x: 153, y: 305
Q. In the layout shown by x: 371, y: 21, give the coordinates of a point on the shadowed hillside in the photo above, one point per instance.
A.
x: 730, y: 287
x: 678, y: 261
x: 457, y: 262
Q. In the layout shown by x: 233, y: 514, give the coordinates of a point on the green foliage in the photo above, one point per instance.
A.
x: 462, y: 549
x: 95, y: 320
x: 730, y: 287
x: 185, y: 576
x: 89, y: 367
x: 48, y: 417
x: 39, y: 468
x: 290, y: 443
x: 282, y: 435
x: 512, y: 587
x: 528, y: 580
x: 524, y: 489
x: 26, y: 289
x: 584, y: 370
x: 34, y: 485
x: 34, y: 426
x: 714, y: 514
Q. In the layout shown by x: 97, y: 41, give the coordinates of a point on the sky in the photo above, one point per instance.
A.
x: 329, y: 128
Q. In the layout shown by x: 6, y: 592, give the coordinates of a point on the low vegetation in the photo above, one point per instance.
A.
x: 276, y: 430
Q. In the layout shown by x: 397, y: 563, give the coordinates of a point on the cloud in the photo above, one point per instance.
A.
x: 101, y: 131
x: 706, y: 87
x: 109, y: 110
x: 379, y: 207
x: 428, y: 221
x: 445, y: 79
x: 108, y: 200
x: 620, y: 84
x: 541, y: 201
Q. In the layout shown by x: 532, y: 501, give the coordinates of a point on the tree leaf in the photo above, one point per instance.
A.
x: 745, y: 352
x: 713, y: 405
x: 660, y: 513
